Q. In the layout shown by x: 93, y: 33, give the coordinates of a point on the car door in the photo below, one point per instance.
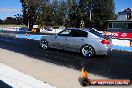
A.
x: 76, y: 40
x: 61, y: 39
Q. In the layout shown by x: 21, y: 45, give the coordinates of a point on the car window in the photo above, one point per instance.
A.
x: 78, y: 33
x: 65, y: 33
x: 84, y: 34
x: 97, y: 33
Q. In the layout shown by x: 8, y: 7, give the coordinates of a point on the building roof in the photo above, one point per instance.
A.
x: 128, y: 10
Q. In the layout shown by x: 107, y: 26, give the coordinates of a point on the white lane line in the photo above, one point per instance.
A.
x: 18, y: 79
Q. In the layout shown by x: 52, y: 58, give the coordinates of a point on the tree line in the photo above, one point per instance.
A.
x: 17, y: 19
x: 69, y: 13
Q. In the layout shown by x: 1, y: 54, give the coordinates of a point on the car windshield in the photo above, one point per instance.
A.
x: 97, y: 33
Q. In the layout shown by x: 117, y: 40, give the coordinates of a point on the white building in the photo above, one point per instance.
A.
x: 125, y: 15
x: 124, y: 20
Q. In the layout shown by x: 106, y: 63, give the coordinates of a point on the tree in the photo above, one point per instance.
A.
x: 25, y: 11
x: 10, y: 20
x: 72, y: 16
x: 19, y: 19
x: 95, y: 13
x: 70, y: 13
x: 1, y: 21
x: 103, y: 12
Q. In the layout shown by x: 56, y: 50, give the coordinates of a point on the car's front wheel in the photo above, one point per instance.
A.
x: 87, y: 51
x: 44, y: 44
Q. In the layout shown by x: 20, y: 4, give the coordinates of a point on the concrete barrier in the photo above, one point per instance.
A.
x: 120, y: 42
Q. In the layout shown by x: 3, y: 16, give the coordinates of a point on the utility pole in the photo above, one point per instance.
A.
x: 28, y: 22
x: 90, y: 15
x: 90, y: 11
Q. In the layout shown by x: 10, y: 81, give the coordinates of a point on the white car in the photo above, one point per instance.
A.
x: 88, y: 42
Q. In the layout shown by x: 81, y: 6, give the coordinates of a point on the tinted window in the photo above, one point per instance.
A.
x: 84, y: 34
x: 65, y: 33
x: 96, y: 33
x: 78, y: 33
x: 110, y: 25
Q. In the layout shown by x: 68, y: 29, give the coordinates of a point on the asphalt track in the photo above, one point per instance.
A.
x: 4, y: 85
x: 117, y: 65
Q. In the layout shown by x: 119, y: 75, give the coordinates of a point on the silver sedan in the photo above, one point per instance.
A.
x: 88, y: 42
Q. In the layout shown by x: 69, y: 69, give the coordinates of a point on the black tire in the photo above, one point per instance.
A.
x: 87, y: 51
x: 44, y: 44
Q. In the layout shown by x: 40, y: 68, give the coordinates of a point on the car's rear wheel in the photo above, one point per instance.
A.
x: 87, y: 51
x: 44, y: 44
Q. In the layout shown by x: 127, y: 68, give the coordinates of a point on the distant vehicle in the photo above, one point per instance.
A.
x: 23, y: 29
x: 52, y: 30
x: 88, y: 42
x: 35, y: 28
x: 11, y: 28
